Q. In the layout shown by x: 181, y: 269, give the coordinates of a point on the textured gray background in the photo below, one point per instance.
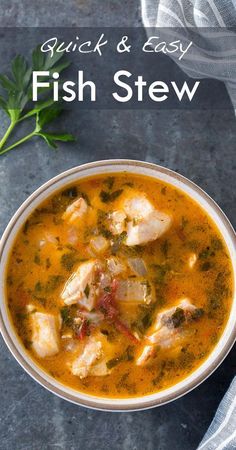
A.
x: 200, y: 145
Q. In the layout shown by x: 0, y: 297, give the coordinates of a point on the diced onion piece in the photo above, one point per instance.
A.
x: 115, y: 266
x: 94, y: 318
x: 134, y: 291
x: 117, y: 222
x: 99, y: 244
x: 138, y: 266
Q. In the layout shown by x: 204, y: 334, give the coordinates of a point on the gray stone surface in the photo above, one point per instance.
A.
x: 201, y: 146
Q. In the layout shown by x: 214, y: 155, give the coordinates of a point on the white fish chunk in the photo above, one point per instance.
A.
x: 83, y: 278
x: 166, y: 330
x: 115, y: 266
x: 164, y: 337
x: 99, y: 244
x: 165, y: 325
x: 91, y: 353
x: 139, y: 218
x: 44, y: 334
x: 145, y: 223
x: 117, y: 222
x: 100, y: 369
x: 138, y: 206
x: 147, y: 229
x: 146, y: 354
x: 75, y: 210
x: 93, y: 357
x: 137, y: 291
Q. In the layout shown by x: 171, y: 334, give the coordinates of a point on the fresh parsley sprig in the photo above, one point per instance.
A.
x: 16, y: 99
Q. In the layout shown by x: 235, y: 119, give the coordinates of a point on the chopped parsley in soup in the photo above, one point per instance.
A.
x: 119, y: 285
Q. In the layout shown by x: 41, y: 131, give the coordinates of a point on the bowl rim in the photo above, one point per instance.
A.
x: 100, y: 403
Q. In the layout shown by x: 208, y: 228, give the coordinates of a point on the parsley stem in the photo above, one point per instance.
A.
x: 24, y: 139
x: 7, y: 134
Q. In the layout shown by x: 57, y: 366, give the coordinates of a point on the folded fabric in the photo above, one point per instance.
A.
x: 213, y: 54
x: 221, y: 434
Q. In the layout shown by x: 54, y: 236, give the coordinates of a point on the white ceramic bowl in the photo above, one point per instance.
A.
x: 92, y: 169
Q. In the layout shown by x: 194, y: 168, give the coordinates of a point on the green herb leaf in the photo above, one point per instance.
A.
x: 51, y: 139
x: 197, y: 313
x: 207, y: 265
x: 68, y: 260
x: 107, y: 289
x: 107, y: 197
x: 3, y: 104
x: 109, y: 181
x: 117, y: 241
x: 128, y: 355
x: 165, y: 248
x: 53, y: 282
x: 37, y: 259
x: 178, y: 318
x: 113, y: 362
x: 216, y: 244
x: 87, y: 290
x: 161, y: 272
x: 16, y: 99
x: 71, y: 192
x: 47, y: 115
x: 65, y: 315
x: 48, y: 263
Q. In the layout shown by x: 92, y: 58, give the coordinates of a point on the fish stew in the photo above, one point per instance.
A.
x: 119, y: 286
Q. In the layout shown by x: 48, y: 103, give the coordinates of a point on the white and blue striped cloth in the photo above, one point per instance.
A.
x: 221, y: 435
x: 214, y: 58
x: 213, y: 55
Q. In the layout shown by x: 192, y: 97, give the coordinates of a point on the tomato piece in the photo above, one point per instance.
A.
x: 122, y: 328
x: 107, y: 305
x: 83, y: 330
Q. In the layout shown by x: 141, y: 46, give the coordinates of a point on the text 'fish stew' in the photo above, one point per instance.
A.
x: 119, y: 286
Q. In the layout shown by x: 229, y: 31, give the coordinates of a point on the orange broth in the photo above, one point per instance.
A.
x: 37, y: 273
